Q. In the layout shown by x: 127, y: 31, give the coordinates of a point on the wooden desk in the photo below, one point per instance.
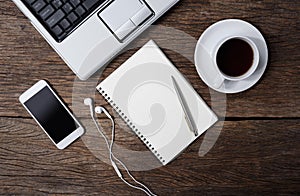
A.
x: 257, y: 151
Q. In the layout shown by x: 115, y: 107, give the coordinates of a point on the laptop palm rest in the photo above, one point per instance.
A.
x: 123, y: 17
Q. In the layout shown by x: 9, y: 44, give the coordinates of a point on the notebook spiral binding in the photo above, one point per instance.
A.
x: 130, y: 124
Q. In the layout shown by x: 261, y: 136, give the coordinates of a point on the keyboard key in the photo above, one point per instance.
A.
x: 57, y: 30
x: 80, y: 10
x: 72, y: 17
x: 89, y: 3
x: 75, y: 2
x: 55, y: 18
x: 38, y: 5
x: 57, y: 3
x: 61, y: 17
x: 67, y: 8
x: 30, y: 1
x: 65, y: 24
x: 46, y: 12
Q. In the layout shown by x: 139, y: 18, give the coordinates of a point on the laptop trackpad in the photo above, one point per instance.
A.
x: 124, y: 16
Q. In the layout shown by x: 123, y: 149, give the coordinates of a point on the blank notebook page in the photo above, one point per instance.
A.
x: 142, y: 92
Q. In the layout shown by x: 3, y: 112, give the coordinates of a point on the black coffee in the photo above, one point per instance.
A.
x: 235, y: 57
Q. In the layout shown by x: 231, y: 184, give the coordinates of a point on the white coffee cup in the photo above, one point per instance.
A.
x: 222, y: 76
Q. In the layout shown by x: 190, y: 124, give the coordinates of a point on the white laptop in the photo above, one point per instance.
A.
x: 88, y: 34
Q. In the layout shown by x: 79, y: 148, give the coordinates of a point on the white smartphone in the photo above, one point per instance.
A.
x: 51, y: 114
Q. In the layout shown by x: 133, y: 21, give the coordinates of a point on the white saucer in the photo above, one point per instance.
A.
x: 207, y: 43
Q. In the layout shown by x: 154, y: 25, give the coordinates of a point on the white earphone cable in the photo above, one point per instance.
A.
x: 123, y: 165
x: 112, y: 157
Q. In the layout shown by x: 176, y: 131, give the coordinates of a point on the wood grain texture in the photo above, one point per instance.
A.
x: 257, y: 152
x: 31, y: 164
x: 24, y: 53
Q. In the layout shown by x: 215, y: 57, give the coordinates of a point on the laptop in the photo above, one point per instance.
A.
x: 88, y: 34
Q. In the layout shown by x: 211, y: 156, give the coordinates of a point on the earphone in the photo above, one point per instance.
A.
x: 89, y: 102
x: 100, y: 110
x: 113, y: 159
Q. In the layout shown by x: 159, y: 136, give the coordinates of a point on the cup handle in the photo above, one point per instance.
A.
x: 218, y: 81
x: 211, y: 74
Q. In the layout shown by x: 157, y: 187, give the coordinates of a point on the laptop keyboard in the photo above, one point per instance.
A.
x: 61, y: 17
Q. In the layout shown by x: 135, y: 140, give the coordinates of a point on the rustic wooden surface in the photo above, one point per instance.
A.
x: 257, y: 152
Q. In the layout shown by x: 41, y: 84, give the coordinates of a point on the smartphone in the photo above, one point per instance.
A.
x: 51, y: 114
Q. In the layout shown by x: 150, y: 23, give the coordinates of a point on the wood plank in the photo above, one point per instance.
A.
x: 250, y: 157
x: 256, y: 153
x: 25, y: 57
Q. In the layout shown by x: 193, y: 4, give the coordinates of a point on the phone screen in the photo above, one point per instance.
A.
x: 51, y: 115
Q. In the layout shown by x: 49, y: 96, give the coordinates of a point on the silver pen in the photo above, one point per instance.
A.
x: 188, y: 115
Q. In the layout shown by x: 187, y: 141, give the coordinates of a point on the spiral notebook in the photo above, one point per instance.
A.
x: 142, y: 93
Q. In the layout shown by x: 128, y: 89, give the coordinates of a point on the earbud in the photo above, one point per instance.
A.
x: 100, y: 109
x: 89, y: 102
